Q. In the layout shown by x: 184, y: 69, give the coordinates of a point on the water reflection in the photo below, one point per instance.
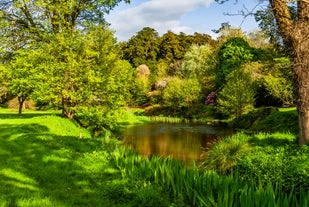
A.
x: 180, y: 141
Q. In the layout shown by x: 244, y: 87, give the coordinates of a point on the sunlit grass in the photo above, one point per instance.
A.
x: 49, y: 161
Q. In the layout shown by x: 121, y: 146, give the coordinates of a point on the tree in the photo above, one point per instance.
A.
x: 295, y: 37
x: 143, y: 48
x: 24, y: 23
x: 294, y: 33
x: 23, y: 75
x: 278, y: 80
x: 86, y: 69
x: 38, y: 20
x: 237, y: 96
x: 232, y: 54
x: 267, y: 23
x: 170, y: 48
x: 201, y: 62
x: 227, y: 32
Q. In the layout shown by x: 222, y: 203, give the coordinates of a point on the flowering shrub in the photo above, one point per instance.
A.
x: 211, y: 99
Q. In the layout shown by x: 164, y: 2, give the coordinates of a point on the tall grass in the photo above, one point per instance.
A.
x: 224, y: 154
x: 183, y: 186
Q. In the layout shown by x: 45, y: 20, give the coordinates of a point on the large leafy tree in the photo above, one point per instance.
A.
x: 232, y: 54
x: 295, y: 33
x: 38, y: 20
x: 170, y: 48
x: 91, y: 73
x: 237, y: 96
x: 57, y: 25
x: 200, y: 62
x: 24, y: 75
x: 143, y: 48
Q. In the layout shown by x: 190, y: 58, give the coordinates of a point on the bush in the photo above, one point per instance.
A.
x: 98, y: 120
x: 283, y: 121
x: 246, y: 121
x: 277, y: 158
x: 181, y: 93
x: 226, y: 153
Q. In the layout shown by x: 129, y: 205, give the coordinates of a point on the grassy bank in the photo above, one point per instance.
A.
x: 50, y: 161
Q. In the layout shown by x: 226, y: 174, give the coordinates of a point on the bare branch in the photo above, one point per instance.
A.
x: 245, y: 12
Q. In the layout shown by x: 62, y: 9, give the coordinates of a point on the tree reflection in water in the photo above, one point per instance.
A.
x: 181, y: 141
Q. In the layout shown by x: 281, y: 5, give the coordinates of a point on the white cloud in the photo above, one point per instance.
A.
x: 162, y: 15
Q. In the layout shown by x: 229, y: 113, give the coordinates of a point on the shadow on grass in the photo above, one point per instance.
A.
x: 42, y: 169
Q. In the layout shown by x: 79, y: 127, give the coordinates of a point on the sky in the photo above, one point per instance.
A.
x: 186, y: 16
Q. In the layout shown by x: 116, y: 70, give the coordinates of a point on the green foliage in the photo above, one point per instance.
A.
x: 253, y: 118
x: 24, y: 75
x: 279, y: 83
x: 170, y: 47
x: 84, y: 69
x: 181, y: 93
x: 139, y: 91
x: 99, y: 120
x: 280, y: 88
x: 224, y: 155
x: 177, y: 185
x: 30, y: 21
x: 237, y: 97
x: 277, y: 158
x: 232, y: 54
x: 142, y: 48
x: 200, y: 62
x: 286, y: 120
x: 267, y: 23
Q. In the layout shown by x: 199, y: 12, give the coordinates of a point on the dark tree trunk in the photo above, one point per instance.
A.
x: 21, y: 102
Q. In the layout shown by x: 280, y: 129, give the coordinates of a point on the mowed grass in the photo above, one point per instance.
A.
x: 49, y: 161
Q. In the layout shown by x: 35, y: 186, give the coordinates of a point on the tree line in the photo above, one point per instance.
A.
x: 62, y: 53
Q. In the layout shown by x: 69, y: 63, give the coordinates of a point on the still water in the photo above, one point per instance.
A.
x: 181, y: 141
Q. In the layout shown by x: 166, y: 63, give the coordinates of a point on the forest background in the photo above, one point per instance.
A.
x: 64, y: 56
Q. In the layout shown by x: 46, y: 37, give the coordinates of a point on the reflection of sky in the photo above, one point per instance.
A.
x: 182, y: 141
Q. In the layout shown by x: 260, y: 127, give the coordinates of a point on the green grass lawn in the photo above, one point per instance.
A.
x: 49, y: 161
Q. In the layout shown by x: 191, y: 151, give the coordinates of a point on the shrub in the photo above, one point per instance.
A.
x: 99, y: 120
x: 246, y: 121
x: 277, y: 158
x: 181, y: 93
x: 225, y: 153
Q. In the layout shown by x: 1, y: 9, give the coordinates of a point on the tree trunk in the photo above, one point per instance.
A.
x: 295, y: 34
x: 302, y: 84
x: 66, y: 112
x: 21, y: 101
x: 301, y: 71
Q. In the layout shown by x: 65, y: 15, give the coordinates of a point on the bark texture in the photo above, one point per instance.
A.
x: 295, y: 35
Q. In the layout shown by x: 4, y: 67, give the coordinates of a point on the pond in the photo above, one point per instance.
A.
x: 181, y: 141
